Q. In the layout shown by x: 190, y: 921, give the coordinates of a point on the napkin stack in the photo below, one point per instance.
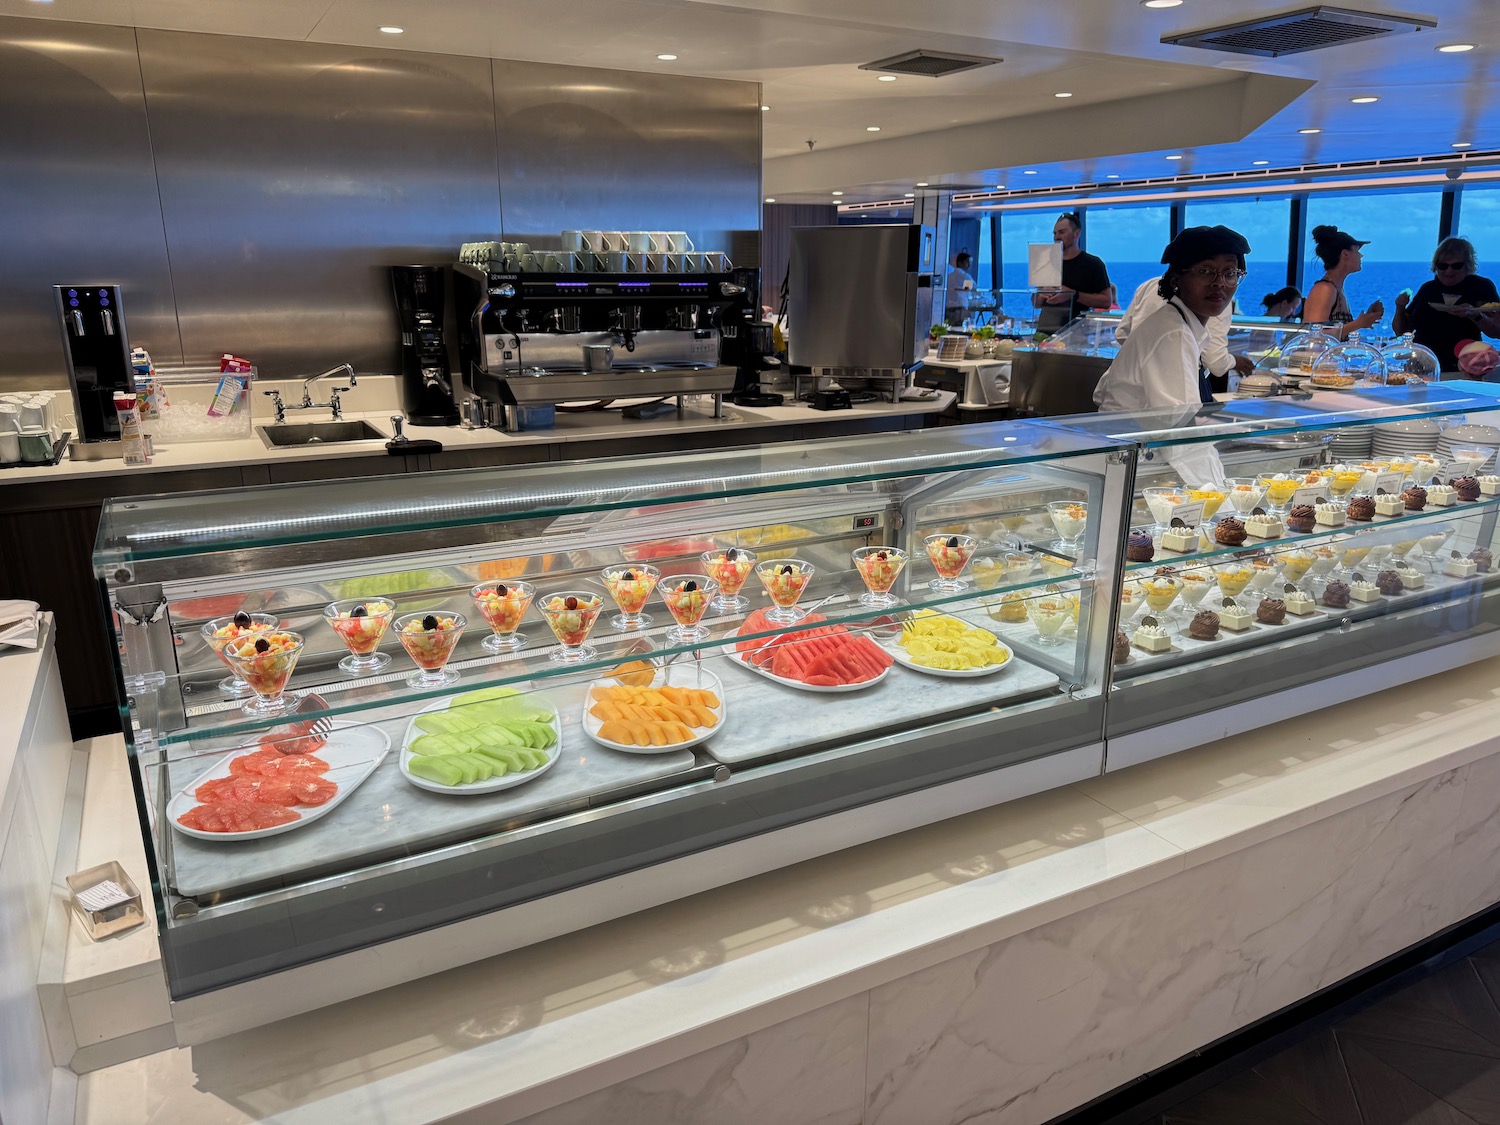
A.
x: 18, y: 624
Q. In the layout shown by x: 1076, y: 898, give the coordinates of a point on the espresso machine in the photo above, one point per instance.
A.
x: 537, y: 339
x: 97, y: 351
x: 426, y: 384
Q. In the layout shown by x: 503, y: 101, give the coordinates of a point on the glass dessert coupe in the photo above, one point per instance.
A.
x: 687, y: 597
x: 731, y: 569
x: 630, y: 586
x: 503, y: 605
x: 1245, y: 494
x: 429, y: 639
x: 1049, y: 613
x: 571, y: 616
x: 1069, y: 519
x: 1196, y: 584
x: 361, y: 624
x: 265, y: 662
x: 221, y: 630
x: 784, y: 580
x: 1160, y: 502
x: 879, y: 567
x: 1280, y: 488
x: 949, y: 555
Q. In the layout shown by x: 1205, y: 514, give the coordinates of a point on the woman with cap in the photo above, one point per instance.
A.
x: 1160, y: 363
x: 1458, y: 288
x: 1326, y: 303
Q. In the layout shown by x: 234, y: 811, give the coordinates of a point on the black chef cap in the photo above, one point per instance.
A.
x: 1196, y: 244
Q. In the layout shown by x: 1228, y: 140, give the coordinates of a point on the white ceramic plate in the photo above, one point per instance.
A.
x: 687, y: 675
x: 494, y: 784
x: 352, y: 753
x: 901, y: 657
x: 799, y: 685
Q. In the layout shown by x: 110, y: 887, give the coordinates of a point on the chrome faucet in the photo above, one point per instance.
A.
x: 309, y: 404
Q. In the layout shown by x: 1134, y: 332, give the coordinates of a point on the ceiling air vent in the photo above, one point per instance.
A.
x: 1310, y: 29
x: 929, y: 64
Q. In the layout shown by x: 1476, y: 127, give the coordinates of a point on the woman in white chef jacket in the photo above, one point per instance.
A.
x: 1161, y: 362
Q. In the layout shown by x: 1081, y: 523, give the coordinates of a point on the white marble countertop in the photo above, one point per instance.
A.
x: 545, y: 1024
x: 20, y: 668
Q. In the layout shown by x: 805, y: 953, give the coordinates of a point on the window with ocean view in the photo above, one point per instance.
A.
x: 1130, y: 240
x: 1266, y: 223
x: 1017, y: 230
x: 1402, y: 229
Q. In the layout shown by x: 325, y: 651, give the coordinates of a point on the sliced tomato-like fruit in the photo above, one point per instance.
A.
x: 236, y: 816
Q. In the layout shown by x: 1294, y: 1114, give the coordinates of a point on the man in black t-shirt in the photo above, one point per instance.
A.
x: 1454, y: 283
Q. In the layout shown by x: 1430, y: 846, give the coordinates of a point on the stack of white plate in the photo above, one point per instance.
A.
x: 1352, y: 444
x: 1470, y: 436
x: 1402, y: 439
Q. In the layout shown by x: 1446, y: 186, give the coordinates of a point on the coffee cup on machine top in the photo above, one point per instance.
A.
x: 676, y: 242
x: 643, y: 242
x: 614, y: 261
x: 572, y: 240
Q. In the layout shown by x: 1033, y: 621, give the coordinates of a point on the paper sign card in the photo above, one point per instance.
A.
x: 1044, y: 260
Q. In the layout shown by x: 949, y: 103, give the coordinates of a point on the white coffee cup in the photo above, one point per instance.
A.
x: 572, y: 240
x: 641, y: 242
x: 528, y: 262
x: 10, y: 448
x: 714, y: 262
x: 676, y: 241
x: 33, y: 414
x: 10, y: 418
x: 614, y: 261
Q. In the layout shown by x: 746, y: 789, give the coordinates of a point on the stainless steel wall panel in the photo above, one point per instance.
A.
x: 78, y: 198
x: 293, y: 174
x: 617, y: 150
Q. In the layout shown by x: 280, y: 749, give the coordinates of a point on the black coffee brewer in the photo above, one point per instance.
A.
x: 427, y: 386
x: 98, y: 356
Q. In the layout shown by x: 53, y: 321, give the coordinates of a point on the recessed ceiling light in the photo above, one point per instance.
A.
x: 667, y: 58
x: 1174, y: 156
x: 1258, y: 162
x: 1456, y: 48
x: 921, y: 183
x: 1161, y: 3
x: 1309, y: 132
x: 1029, y: 172
x: 838, y: 193
x: 997, y: 187
x: 911, y: 195
x: 393, y: 30
x: 1062, y: 94
x: 770, y: 199
x: 886, y: 78
x: 1112, y: 176
x: 1367, y: 99
x: 1462, y: 144
x: 872, y: 128
x: 765, y: 108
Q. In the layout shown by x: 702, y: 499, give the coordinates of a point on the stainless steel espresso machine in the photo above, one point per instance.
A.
x: 536, y: 339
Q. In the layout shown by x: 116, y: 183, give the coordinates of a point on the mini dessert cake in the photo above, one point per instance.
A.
x: 1329, y: 513
x: 1361, y: 508
x: 1140, y: 548
x: 1489, y: 485
x: 1180, y: 537
x: 1483, y: 559
x: 1389, y: 582
x: 1234, y: 616
x: 1299, y: 602
x: 1415, y: 498
x: 1122, y: 647
x: 1336, y: 595
x: 1466, y: 487
x: 1204, y: 626
x: 1301, y: 517
x: 1456, y: 566
x: 1149, y: 635
x: 1230, y: 532
x: 1363, y: 590
x: 1411, y: 578
x: 1389, y: 504
x: 1263, y: 526
x: 1441, y: 495
x: 1271, y: 611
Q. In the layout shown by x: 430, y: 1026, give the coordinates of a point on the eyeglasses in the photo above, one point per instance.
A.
x: 1209, y: 274
x: 1444, y: 267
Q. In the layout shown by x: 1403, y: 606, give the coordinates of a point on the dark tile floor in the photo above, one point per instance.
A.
x: 1427, y: 1055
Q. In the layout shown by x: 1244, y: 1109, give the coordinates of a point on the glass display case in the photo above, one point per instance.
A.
x: 1266, y: 576
x: 360, y: 710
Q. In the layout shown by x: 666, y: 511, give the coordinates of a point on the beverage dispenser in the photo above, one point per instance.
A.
x: 97, y: 352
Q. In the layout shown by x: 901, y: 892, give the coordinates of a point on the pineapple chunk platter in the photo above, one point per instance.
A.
x: 940, y: 644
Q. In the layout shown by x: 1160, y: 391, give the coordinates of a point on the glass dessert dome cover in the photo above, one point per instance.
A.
x: 1407, y: 361
x: 1297, y: 354
x: 1348, y: 363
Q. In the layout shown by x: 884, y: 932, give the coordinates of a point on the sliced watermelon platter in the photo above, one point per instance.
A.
x: 826, y: 658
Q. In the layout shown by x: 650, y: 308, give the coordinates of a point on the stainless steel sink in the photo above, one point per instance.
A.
x: 284, y: 435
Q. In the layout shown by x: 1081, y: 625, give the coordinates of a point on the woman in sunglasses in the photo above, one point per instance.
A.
x: 1458, y: 289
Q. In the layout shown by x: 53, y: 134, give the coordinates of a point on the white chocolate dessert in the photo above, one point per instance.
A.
x: 1411, y: 577
x: 1387, y: 504
x: 1363, y: 590
x: 1151, y: 637
x: 1329, y: 514
x: 1459, y: 567
x: 1264, y: 526
x: 1299, y: 602
x: 1489, y: 485
x: 1442, y: 495
x: 1235, y: 617
x: 1180, y: 539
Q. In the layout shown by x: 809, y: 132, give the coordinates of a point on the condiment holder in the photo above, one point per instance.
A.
x: 105, y: 900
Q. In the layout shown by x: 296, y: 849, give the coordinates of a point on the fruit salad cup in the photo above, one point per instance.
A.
x: 949, y: 555
x: 1070, y: 520
x: 360, y: 624
x: 265, y: 661
x: 687, y: 597
x: 784, y: 580
x: 630, y: 585
x: 731, y: 569
x: 221, y: 630
x: 572, y: 615
x: 503, y: 605
x: 879, y: 567
x: 429, y: 639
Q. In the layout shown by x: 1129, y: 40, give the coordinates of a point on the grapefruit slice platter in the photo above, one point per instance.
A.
x: 688, y: 711
x: 270, y: 793
x: 826, y: 659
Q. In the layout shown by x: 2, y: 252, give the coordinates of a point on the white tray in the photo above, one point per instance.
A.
x: 352, y: 753
x: 899, y: 654
x: 686, y: 675
x: 735, y: 656
x: 494, y: 784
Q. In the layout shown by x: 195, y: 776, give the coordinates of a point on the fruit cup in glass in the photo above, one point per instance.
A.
x: 784, y: 580
x: 630, y: 585
x: 879, y: 567
x: 731, y: 569
x: 949, y: 554
x: 265, y: 661
x: 221, y: 630
x: 503, y: 605
x: 360, y: 624
x: 687, y: 597
x: 571, y: 616
x: 1069, y: 519
x: 429, y: 639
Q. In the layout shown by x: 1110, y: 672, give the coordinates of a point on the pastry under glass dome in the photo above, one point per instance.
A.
x: 1346, y: 364
x: 1407, y: 361
x: 1297, y: 354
